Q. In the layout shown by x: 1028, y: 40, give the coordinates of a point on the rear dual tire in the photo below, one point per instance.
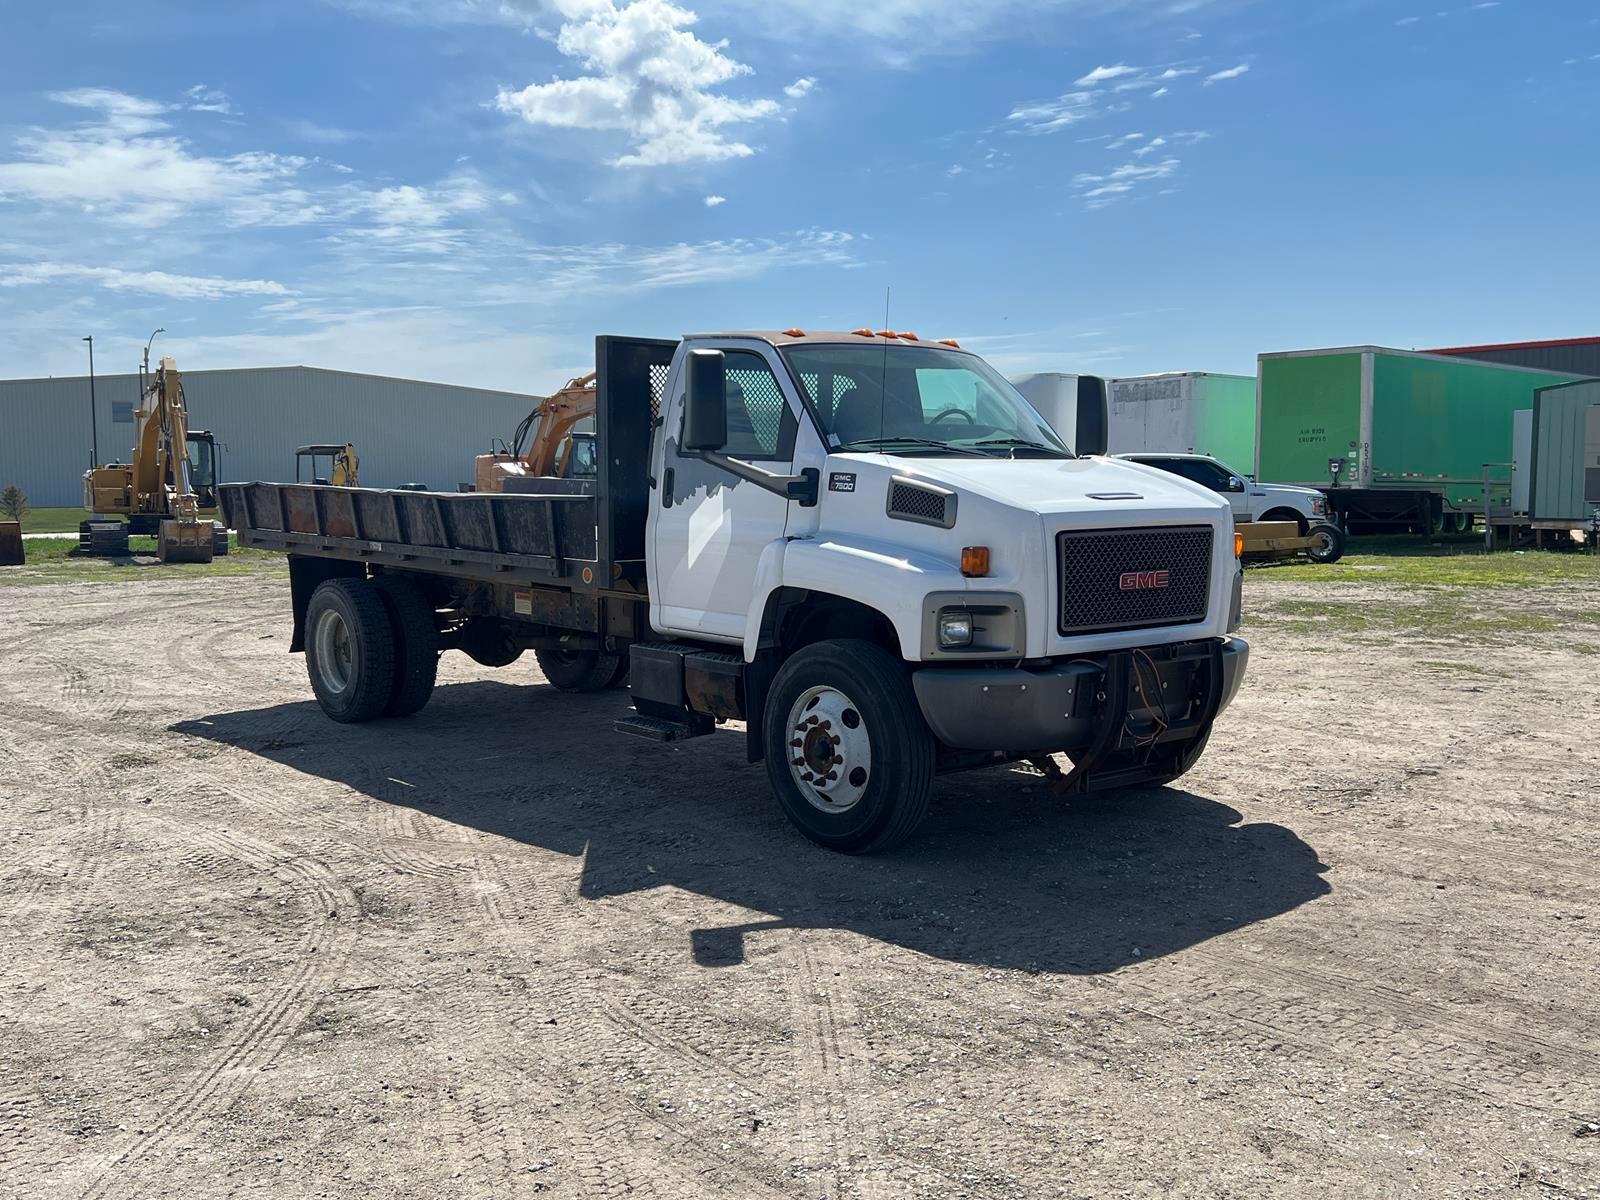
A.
x: 371, y: 648
x: 581, y: 670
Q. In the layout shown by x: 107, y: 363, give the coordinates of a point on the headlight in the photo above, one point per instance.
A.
x: 955, y: 628
x: 1319, y: 506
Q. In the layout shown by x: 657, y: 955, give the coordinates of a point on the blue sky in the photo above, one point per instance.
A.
x: 469, y: 190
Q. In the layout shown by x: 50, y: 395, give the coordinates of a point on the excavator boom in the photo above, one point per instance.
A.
x: 550, y: 449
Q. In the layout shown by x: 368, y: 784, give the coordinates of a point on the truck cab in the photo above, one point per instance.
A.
x: 1247, y: 499
x: 882, y: 489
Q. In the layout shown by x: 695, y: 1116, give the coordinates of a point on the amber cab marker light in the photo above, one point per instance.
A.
x: 861, y: 333
x: 887, y: 333
x: 1238, y: 544
x: 794, y: 333
x: 950, y: 342
x: 974, y: 561
x: 909, y: 337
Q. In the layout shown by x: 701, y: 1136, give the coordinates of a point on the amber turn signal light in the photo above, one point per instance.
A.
x: 974, y: 561
x: 1238, y: 544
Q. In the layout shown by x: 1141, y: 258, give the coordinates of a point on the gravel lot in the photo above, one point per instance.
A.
x: 497, y: 950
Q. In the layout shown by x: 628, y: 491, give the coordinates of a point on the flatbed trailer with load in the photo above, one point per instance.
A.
x: 866, y: 546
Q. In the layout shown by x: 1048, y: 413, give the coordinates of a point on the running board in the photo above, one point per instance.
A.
x: 658, y: 730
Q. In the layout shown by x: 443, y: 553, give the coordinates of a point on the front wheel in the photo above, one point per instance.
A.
x: 1327, y: 544
x: 848, y: 754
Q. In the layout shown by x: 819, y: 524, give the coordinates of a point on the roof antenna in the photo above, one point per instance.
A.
x: 883, y: 376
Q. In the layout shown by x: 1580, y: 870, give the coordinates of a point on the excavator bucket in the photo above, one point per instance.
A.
x: 185, y: 541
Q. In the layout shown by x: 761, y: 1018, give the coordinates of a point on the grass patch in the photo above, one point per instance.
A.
x: 1461, y: 668
x: 53, y: 520
x: 1444, y: 616
x: 1458, y: 562
x: 50, y: 560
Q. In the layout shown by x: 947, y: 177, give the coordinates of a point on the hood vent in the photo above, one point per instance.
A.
x: 924, y: 503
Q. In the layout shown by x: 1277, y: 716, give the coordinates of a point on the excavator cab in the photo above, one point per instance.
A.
x: 341, y: 467
x: 203, y: 467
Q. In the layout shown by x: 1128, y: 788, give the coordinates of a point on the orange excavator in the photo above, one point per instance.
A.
x: 555, y: 446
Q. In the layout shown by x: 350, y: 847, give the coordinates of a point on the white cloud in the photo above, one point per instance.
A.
x: 652, y: 81
x: 1119, y: 143
x: 714, y: 201
x: 1150, y: 147
x: 1105, y: 74
x: 627, y: 268
x: 208, y: 99
x: 1230, y: 73
x: 800, y: 87
x: 1098, y: 191
x: 1159, y: 92
x: 1049, y: 116
x: 152, y: 283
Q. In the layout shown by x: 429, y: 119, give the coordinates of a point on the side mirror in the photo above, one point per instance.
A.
x: 1094, y: 425
x: 1235, y: 484
x: 705, y: 418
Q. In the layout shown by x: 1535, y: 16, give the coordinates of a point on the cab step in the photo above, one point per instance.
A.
x: 658, y: 730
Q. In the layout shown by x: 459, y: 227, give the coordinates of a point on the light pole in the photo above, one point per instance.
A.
x: 94, y: 424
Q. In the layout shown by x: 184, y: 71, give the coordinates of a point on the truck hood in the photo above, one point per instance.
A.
x: 1060, y: 486
x: 1285, y: 489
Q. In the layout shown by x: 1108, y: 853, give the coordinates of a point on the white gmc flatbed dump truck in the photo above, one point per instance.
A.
x: 866, y: 546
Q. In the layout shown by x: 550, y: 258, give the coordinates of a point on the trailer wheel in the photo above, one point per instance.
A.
x: 579, y: 670
x: 416, y: 633
x: 350, y: 650
x: 848, y: 754
x: 1327, y: 545
x: 485, y: 642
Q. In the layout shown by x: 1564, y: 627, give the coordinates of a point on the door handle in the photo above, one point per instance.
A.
x: 667, y: 477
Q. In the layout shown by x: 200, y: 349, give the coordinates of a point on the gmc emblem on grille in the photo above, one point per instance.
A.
x: 1139, y: 581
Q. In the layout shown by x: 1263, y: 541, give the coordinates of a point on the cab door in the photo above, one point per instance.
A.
x: 708, y: 527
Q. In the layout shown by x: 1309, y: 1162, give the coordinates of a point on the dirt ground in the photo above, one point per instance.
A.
x: 498, y: 950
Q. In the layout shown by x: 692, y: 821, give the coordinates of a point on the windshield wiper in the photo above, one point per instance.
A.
x: 1024, y: 444
x: 881, y: 443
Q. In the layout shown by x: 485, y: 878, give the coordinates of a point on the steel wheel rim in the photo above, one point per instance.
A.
x: 829, y: 749
x: 335, y: 657
x: 1324, y: 543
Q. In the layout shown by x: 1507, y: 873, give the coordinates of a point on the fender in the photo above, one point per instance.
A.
x: 880, y: 575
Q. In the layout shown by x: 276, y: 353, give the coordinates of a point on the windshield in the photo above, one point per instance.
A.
x: 202, y: 464
x: 914, y: 399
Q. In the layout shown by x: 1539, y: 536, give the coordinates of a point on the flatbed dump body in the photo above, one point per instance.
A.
x: 494, y: 536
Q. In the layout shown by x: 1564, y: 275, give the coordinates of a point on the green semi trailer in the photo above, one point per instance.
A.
x: 1398, y: 439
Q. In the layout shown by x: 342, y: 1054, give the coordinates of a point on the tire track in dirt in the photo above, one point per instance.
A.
x: 262, y: 1036
x: 839, y: 1137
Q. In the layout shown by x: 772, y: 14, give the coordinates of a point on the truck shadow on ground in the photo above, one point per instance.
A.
x: 1003, y: 874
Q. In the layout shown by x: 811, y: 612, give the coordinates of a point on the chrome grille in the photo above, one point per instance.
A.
x: 1109, y: 577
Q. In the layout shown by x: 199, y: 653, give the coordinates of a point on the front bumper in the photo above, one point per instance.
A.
x: 1140, y: 698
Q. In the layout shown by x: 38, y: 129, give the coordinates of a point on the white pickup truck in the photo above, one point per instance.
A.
x: 865, y: 546
x: 1249, y: 500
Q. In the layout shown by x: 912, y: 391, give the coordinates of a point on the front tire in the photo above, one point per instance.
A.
x: 848, y: 754
x: 579, y: 670
x: 350, y: 650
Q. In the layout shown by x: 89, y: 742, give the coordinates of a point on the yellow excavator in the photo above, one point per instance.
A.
x: 168, y: 489
x: 555, y: 445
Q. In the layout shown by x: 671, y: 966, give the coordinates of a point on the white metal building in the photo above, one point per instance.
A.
x: 405, y: 430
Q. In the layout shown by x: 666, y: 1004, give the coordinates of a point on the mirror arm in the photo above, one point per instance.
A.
x: 801, y: 487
